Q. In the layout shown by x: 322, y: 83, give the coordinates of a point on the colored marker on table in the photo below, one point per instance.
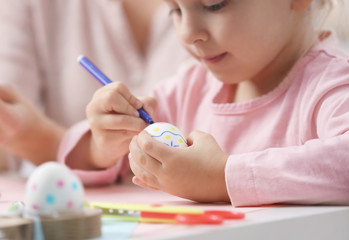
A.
x: 159, y: 213
x: 103, y: 79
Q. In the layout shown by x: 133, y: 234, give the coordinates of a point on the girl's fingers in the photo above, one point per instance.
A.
x: 144, y: 176
x: 139, y: 182
x: 145, y: 161
x: 108, y: 100
x: 123, y: 90
x: 109, y: 137
x: 115, y: 98
x: 122, y: 100
x: 148, y: 144
x: 149, y: 105
x: 118, y: 122
x: 7, y: 93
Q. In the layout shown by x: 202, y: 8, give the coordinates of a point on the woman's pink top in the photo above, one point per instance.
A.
x: 41, y: 40
x: 288, y: 146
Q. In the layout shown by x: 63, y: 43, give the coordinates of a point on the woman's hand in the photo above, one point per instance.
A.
x: 114, y: 121
x: 25, y: 131
x: 196, y: 172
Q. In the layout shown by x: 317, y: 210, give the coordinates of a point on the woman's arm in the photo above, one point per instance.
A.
x: 25, y: 131
x: 3, y: 160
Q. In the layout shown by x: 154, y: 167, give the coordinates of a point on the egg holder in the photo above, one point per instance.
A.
x: 22, y: 225
x: 54, y: 208
x: 26, y: 223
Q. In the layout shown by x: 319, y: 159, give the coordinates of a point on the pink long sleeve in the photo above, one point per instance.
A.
x: 41, y: 40
x: 288, y: 146
x: 314, y: 173
x: 69, y: 142
x: 19, y: 63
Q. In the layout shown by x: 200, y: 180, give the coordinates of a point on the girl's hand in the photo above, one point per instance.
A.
x: 26, y: 132
x: 114, y: 120
x: 195, y: 173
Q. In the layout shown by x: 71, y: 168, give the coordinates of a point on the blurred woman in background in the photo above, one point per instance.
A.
x: 43, y: 90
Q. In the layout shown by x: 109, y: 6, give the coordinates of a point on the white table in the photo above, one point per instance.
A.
x: 267, y: 222
x: 284, y: 223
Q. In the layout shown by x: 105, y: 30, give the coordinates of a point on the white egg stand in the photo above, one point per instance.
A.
x: 54, y: 208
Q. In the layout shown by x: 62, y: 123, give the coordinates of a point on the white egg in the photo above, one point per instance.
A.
x: 53, y: 189
x: 167, y: 134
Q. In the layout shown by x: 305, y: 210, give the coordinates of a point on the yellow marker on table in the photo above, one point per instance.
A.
x: 164, y: 214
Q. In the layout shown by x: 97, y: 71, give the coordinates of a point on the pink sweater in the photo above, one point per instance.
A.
x: 289, y: 146
x: 41, y: 40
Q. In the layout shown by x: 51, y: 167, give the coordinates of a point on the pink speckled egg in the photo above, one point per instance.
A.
x: 53, y: 189
x: 167, y: 134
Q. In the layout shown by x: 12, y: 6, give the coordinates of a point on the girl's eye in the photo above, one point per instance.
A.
x: 175, y: 11
x: 216, y: 7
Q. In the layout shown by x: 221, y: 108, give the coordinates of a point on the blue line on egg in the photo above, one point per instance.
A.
x: 176, y: 134
x: 172, y: 144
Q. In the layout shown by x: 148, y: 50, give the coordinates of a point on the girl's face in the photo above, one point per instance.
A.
x: 241, y: 40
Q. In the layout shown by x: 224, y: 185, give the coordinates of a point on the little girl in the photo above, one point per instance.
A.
x: 265, y: 107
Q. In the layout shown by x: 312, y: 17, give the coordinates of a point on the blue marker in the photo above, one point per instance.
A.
x: 91, y: 68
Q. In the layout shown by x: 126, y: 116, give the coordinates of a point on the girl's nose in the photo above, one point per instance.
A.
x: 192, y: 30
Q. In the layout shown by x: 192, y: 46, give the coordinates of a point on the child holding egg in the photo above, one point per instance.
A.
x: 265, y: 109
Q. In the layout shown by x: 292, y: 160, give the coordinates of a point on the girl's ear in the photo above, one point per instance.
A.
x: 300, y: 5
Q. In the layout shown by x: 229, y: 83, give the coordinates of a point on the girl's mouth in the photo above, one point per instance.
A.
x: 214, y: 59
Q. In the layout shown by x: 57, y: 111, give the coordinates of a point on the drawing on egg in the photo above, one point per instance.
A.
x: 167, y: 134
